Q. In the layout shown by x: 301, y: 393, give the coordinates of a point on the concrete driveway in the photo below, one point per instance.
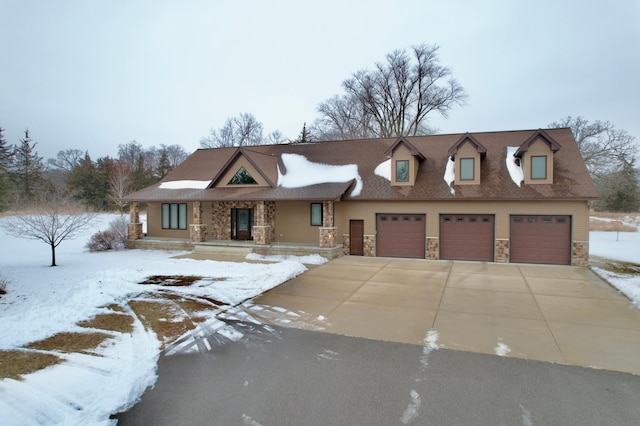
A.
x: 557, y: 314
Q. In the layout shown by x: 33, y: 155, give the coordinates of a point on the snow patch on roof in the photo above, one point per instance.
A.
x: 185, y: 184
x: 515, y: 168
x: 450, y: 174
x: 302, y: 172
x: 384, y: 170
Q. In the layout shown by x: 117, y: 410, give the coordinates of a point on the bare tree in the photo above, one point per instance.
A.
x: 67, y: 159
x: 52, y: 224
x: 604, y: 148
x: 119, y: 185
x: 396, y: 97
x: 175, y: 154
x: 275, y: 137
x: 243, y: 130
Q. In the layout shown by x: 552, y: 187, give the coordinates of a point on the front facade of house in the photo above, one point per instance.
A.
x: 518, y: 196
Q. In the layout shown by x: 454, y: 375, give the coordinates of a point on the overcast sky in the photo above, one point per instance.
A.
x: 94, y: 74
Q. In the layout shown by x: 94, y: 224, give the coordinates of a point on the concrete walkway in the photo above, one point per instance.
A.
x: 558, y: 314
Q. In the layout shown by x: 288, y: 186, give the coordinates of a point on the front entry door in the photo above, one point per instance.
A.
x: 242, y: 224
x: 356, y: 237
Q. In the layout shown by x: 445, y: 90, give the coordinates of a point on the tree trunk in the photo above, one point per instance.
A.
x: 53, y: 255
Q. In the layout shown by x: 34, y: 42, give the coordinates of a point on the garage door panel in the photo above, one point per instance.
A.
x: 540, y: 239
x: 467, y: 237
x: 400, y: 235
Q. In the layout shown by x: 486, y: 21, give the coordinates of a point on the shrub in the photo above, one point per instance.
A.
x: 114, y: 238
x: 3, y: 285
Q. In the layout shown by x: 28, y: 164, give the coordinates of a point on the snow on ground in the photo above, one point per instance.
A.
x: 621, y: 246
x: 312, y: 259
x: 43, y: 301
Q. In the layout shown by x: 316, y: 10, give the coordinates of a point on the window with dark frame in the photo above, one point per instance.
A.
x: 467, y: 168
x: 242, y: 177
x: 402, y: 170
x: 316, y: 214
x: 538, y: 167
x: 174, y: 216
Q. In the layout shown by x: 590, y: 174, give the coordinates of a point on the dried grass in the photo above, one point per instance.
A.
x: 70, y: 342
x: 163, y: 318
x: 114, y: 322
x: 610, y: 226
x: 15, y: 364
x: 172, y: 280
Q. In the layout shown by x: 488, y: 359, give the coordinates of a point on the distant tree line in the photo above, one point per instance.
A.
x: 610, y: 156
x: 100, y: 185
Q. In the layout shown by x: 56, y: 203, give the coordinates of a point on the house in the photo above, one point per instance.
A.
x: 512, y: 196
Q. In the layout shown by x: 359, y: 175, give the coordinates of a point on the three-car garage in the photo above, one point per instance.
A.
x: 532, y: 238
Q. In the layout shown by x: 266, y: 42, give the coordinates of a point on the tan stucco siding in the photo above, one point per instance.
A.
x: 293, y: 223
x: 502, y: 211
x: 154, y: 222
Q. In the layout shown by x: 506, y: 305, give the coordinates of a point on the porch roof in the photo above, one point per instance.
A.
x: 325, y: 191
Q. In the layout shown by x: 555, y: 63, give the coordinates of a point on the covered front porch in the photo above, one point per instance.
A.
x: 215, y: 227
x: 232, y: 247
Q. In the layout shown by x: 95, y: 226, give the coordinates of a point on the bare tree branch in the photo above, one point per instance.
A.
x: 396, y: 98
x: 49, y: 225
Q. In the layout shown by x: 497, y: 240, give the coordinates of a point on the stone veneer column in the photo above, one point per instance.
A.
x: 197, y: 230
x: 433, y: 248
x: 346, y: 244
x: 261, y: 231
x: 134, y: 228
x: 580, y: 253
x: 370, y: 245
x: 502, y: 251
x: 328, y: 232
x: 327, y: 237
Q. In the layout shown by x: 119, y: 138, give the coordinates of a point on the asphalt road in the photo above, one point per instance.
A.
x: 280, y: 376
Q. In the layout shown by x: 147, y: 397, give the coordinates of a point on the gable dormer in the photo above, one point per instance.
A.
x: 243, y: 169
x: 536, y: 158
x: 467, y: 153
x: 405, y: 161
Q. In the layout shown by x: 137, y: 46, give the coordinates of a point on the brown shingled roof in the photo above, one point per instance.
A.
x: 571, y: 179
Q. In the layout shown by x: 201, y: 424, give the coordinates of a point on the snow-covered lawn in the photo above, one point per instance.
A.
x: 43, y: 301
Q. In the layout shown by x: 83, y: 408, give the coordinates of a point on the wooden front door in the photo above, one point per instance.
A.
x: 356, y: 237
x: 242, y: 224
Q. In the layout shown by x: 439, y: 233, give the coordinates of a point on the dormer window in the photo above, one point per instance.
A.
x: 405, y: 161
x: 536, y: 154
x: 402, y: 170
x: 467, y: 154
x: 467, y: 168
x: 538, y: 167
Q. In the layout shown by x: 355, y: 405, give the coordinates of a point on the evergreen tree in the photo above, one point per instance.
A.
x: 27, y: 169
x: 164, y: 166
x: 304, y: 136
x: 87, y: 184
x: 6, y: 161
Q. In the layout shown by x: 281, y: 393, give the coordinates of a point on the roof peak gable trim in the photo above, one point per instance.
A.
x: 524, y: 147
x: 403, y: 141
x: 467, y: 137
x: 240, y: 151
